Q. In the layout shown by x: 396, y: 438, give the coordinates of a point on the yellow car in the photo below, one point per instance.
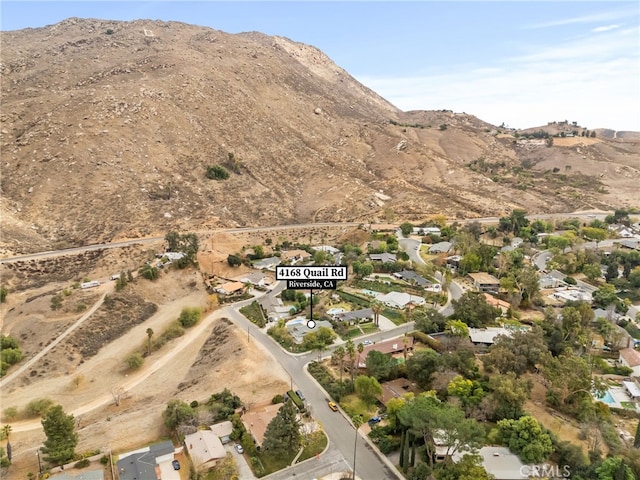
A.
x: 333, y: 406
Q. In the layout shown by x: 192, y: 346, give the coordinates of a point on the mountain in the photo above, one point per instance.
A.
x: 108, y: 129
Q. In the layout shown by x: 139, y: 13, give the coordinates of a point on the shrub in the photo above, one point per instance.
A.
x: 134, y: 361
x: 82, y: 463
x: 189, y: 317
x: 104, y: 460
x: 217, y: 172
x: 38, y: 407
x: 277, y: 399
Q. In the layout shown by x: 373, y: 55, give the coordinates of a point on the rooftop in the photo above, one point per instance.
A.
x: 631, y: 356
x: 484, y: 278
x: 257, y: 419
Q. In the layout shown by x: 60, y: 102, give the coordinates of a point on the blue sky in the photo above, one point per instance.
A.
x: 521, y: 63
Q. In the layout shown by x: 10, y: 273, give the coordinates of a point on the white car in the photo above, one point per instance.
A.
x: 239, y: 448
x: 367, y: 342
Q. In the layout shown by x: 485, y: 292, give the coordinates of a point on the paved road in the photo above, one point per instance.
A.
x: 335, y: 424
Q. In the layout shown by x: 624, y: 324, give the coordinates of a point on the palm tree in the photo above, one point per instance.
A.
x: 149, y: 335
x: 357, y: 421
x: 360, y: 349
x: 351, y: 351
x: 376, y: 308
x: 339, y: 353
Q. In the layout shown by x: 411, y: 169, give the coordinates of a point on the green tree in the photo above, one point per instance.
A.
x: 377, y: 307
x: 3, y: 294
x: 594, y: 234
x: 514, y: 222
x: 636, y: 440
x: 422, y: 365
x: 187, y: 244
x: 178, y: 413
x: 429, y: 320
x: 469, y: 393
x: 406, y: 229
x: 614, y: 468
x: 234, y: 260
x: 368, y: 389
x: 472, y: 308
x: 518, y: 352
x: 283, y: 432
x: 59, y: 447
x: 379, y: 365
x: 604, y: 296
x: 468, y: 468
x: 149, y: 272
x: 592, y: 271
x: 189, y: 316
x: 509, y: 394
x: 527, y: 438
x: 429, y: 418
x: 338, y: 357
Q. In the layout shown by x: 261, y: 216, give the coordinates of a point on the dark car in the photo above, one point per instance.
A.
x: 176, y: 465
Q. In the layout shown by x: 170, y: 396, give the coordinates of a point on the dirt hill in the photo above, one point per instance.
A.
x: 107, y: 130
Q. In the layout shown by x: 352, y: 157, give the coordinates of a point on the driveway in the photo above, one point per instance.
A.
x: 241, y: 460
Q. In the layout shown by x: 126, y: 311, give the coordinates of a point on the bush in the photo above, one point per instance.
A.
x: 217, y: 172
x: 38, y: 407
x: 104, y: 460
x: 134, y: 361
x: 82, y: 463
x: 189, y: 317
x: 277, y: 399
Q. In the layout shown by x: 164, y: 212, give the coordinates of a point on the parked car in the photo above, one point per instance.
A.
x: 299, y: 393
x: 374, y: 420
x: 367, y: 342
x: 333, y: 406
x: 176, y: 465
x: 239, y: 448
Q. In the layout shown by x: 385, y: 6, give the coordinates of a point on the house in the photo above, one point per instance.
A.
x: 631, y: 244
x: 173, y: 256
x: 427, y: 231
x: 497, y: 303
x: 630, y: 357
x: 76, y: 474
x: 383, y: 257
x: 549, y: 281
x: 149, y: 463
x: 412, y: 277
x: 273, y: 307
x: 223, y: 431
x: 400, y: 299
x: 486, y: 336
x: 569, y: 294
x: 396, y: 389
x: 393, y: 346
x: 632, y: 389
x: 255, y: 278
x: 484, y: 282
x: 205, y: 448
x: 440, y: 247
x: 294, y: 256
x: 516, y: 242
x: 360, y: 315
x: 255, y: 421
x: 298, y: 327
x: 269, y: 263
x: 327, y: 249
x: 501, y: 463
x: 453, y: 261
x: 230, y: 288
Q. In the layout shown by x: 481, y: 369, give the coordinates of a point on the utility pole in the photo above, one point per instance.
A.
x: 39, y: 464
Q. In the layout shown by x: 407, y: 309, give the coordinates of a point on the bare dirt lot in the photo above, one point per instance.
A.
x: 211, y: 356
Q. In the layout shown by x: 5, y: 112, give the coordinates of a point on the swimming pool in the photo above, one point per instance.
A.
x: 606, y: 398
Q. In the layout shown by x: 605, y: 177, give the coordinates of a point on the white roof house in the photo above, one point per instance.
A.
x: 487, y: 336
x: 632, y: 389
x: 400, y: 299
x: 501, y: 463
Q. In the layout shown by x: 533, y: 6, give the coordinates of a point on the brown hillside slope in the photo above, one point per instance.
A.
x: 107, y: 129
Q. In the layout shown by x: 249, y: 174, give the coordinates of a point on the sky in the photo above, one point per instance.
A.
x: 517, y: 63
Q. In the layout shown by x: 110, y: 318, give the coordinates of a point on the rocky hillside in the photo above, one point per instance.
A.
x: 108, y: 128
